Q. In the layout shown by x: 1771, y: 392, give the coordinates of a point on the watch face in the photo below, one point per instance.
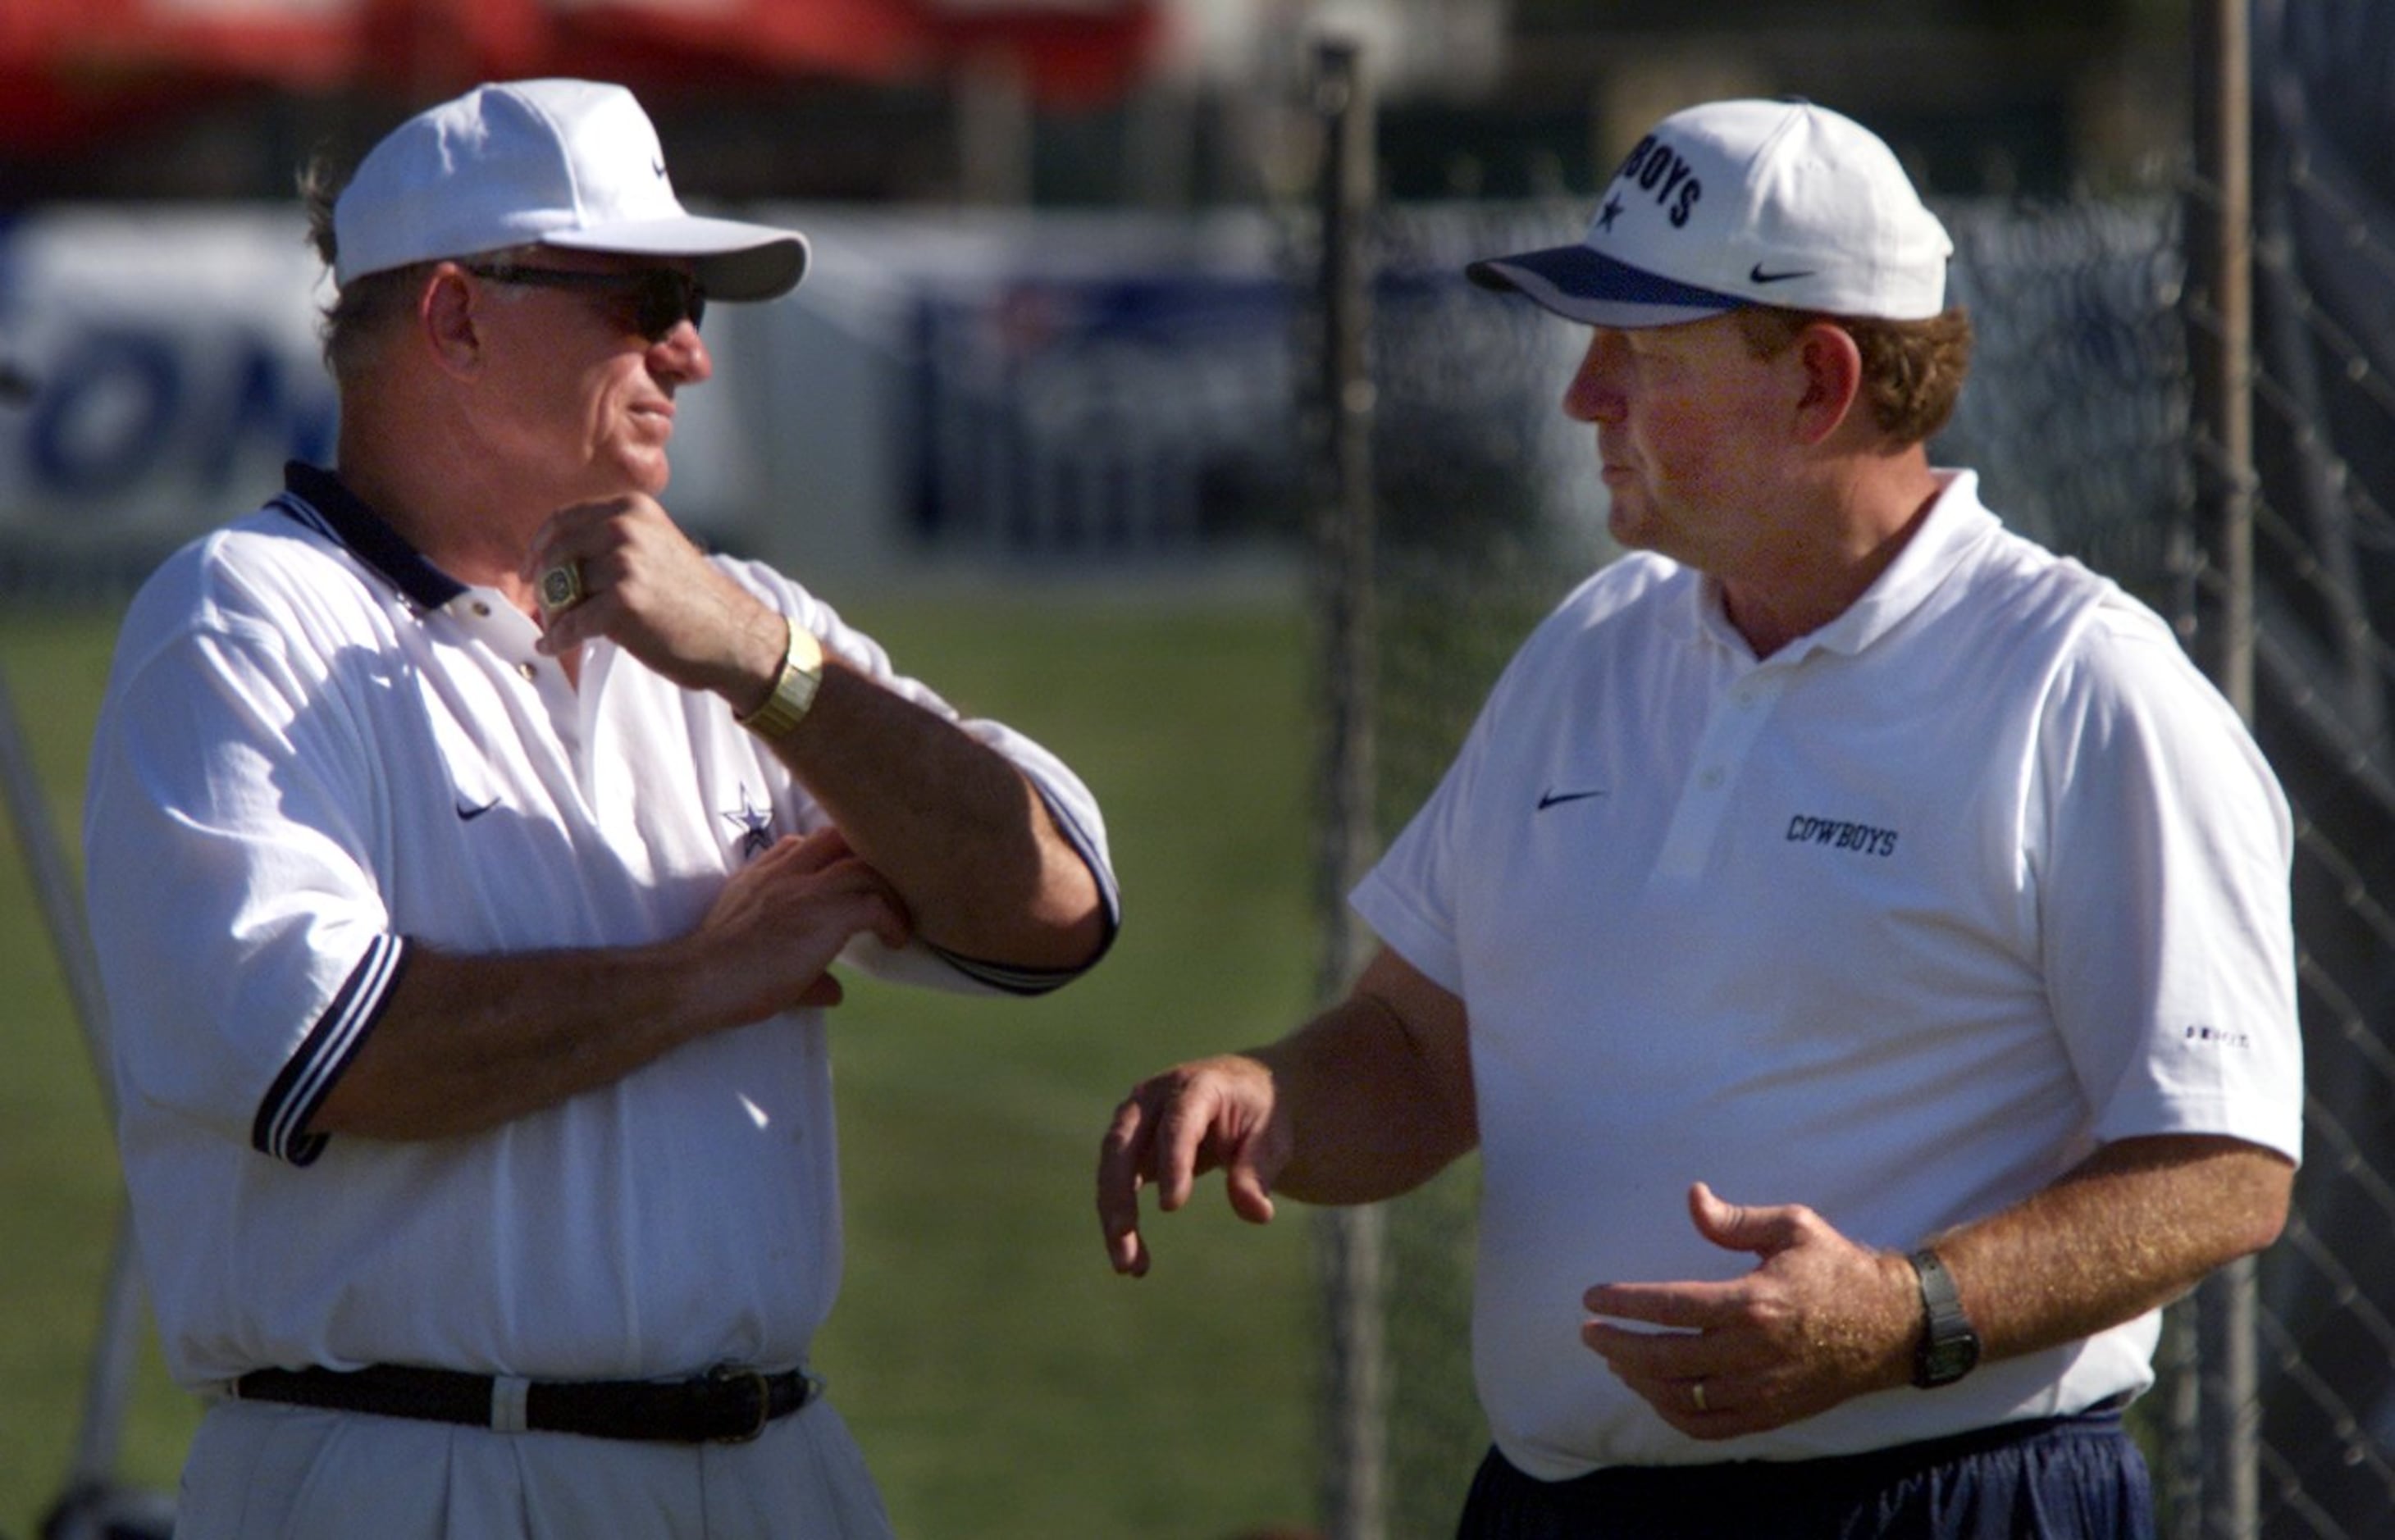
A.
x: 1943, y: 1362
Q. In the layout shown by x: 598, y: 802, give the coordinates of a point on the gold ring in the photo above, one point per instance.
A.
x: 561, y: 587
x: 1697, y: 1394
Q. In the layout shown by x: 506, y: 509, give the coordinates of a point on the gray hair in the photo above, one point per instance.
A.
x: 352, y: 323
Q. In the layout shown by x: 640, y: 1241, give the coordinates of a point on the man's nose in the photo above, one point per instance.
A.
x: 1595, y: 393
x: 682, y: 353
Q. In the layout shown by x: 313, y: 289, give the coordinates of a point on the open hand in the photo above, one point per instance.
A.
x: 1819, y: 1321
x: 1176, y: 1126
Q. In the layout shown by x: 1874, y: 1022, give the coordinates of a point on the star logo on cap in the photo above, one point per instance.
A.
x: 1612, y: 212
x: 658, y: 166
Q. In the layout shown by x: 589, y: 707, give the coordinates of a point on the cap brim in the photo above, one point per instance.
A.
x: 735, y: 261
x: 1584, y: 285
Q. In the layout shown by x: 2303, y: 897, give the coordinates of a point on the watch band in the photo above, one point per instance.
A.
x: 794, y: 690
x: 1950, y: 1348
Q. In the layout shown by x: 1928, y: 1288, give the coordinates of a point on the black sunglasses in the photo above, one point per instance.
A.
x: 661, y: 296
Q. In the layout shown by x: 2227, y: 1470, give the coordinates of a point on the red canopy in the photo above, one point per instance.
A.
x: 70, y: 67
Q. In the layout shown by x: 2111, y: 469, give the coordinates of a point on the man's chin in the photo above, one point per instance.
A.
x: 643, y: 473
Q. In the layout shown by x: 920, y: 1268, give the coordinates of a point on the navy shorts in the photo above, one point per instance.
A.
x: 2059, y: 1479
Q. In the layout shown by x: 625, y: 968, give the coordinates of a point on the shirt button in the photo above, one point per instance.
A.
x: 1711, y: 780
x: 481, y: 610
x: 528, y: 670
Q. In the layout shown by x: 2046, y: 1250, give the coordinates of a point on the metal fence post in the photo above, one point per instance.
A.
x: 1351, y: 1240
x: 2221, y: 264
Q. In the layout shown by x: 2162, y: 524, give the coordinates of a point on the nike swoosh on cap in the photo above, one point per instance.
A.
x: 1756, y: 274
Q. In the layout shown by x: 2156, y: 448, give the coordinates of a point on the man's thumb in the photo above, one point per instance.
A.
x: 1730, y: 1226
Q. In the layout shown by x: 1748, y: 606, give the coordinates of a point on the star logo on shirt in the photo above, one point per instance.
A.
x: 756, y: 826
x: 1611, y: 212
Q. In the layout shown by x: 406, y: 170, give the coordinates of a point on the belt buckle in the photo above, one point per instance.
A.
x: 728, y: 1374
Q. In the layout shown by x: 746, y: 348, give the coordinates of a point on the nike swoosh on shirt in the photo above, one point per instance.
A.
x: 468, y: 815
x: 1553, y: 797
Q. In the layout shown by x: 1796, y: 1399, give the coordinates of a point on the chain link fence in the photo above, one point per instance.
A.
x: 2081, y: 416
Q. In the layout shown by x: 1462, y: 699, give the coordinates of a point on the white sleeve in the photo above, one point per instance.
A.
x: 2162, y: 857
x: 245, y: 947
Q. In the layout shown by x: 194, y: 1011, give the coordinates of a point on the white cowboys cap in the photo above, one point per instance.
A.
x: 1735, y: 203
x: 554, y: 163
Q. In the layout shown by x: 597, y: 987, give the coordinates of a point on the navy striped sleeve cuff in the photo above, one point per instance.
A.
x: 282, y: 1127
x: 1040, y: 981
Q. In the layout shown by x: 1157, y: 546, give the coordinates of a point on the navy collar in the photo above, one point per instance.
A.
x: 317, y: 498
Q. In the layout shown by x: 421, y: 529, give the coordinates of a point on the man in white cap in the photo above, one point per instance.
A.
x: 467, y: 853
x: 1856, y: 940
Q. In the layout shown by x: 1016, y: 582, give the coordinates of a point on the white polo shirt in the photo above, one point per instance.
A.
x: 1900, y: 923
x: 319, y: 752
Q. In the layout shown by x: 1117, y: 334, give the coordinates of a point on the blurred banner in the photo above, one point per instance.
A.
x: 986, y: 388
x: 167, y: 367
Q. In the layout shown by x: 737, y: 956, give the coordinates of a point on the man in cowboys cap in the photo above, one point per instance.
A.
x: 468, y: 850
x: 1854, y: 939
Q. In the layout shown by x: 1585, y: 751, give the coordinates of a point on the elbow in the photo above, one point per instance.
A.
x: 2269, y: 1184
x: 2269, y: 1218
x: 1074, y: 920
x: 1089, y: 934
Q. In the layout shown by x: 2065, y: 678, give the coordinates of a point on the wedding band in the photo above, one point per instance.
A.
x: 1697, y: 1394
x: 561, y: 587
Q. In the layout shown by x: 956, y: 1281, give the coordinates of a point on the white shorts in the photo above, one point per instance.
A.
x: 262, y: 1472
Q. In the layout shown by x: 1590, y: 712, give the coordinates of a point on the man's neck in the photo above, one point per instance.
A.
x: 455, y: 513
x: 1811, y: 583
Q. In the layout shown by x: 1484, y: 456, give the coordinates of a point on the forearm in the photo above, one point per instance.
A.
x: 950, y: 822
x: 2134, y: 1227
x: 1378, y: 1091
x: 465, y: 1043
x: 1822, y: 1318
x: 468, y: 1043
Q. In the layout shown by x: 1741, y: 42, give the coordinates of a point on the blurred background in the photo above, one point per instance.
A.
x: 1049, y: 318
x: 1134, y: 397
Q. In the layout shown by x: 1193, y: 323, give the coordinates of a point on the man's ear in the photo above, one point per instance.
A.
x: 449, y: 319
x: 1833, y: 370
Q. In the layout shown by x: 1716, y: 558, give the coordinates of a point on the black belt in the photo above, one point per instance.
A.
x: 728, y: 1404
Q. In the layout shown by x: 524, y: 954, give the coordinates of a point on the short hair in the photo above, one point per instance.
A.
x: 1912, y: 370
x: 362, y: 308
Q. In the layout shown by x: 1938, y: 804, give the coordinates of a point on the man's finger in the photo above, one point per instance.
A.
x: 1650, y: 1354
x: 1122, y: 1158
x: 1181, y: 1134
x: 1250, y: 1198
x: 811, y: 852
x: 1736, y: 1227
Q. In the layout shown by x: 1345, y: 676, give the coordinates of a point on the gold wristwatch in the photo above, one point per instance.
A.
x: 794, y: 691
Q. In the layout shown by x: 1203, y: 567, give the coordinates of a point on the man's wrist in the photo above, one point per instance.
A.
x: 1948, y: 1346
x: 792, y: 693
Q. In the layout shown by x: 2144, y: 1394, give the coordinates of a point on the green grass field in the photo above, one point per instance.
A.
x: 1003, y: 1382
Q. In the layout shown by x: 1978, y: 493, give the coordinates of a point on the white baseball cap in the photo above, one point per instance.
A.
x: 554, y: 163
x: 1735, y: 203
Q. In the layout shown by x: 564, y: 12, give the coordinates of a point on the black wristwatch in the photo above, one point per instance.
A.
x: 1949, y: 1349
